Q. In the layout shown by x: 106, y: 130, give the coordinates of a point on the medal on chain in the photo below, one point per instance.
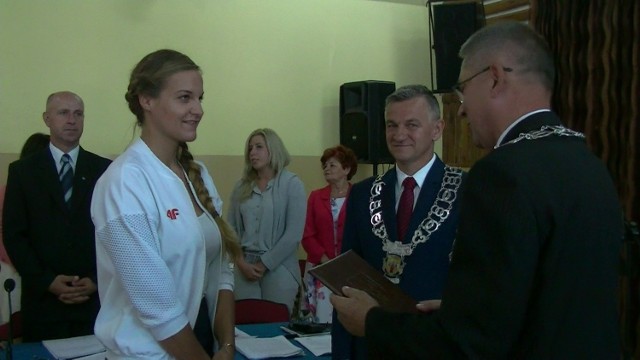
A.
x: 394, y: 262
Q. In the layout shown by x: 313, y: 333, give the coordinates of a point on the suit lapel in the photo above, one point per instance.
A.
x: 48, y: 174
x: 82, y: 179
x: 389, y: 203
x: 427, y: 196
x: 325, y: 195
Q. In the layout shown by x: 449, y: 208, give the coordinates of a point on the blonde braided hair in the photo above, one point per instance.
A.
x: 229, y: 237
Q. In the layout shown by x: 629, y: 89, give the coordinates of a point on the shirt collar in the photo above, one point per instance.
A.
x: 57, y: 155
x: 419, y: 176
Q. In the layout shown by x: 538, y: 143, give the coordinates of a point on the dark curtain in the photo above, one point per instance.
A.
x: 597, y: 49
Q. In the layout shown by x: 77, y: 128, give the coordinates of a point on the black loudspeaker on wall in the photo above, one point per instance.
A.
x: 362, y: 126
x: 452, y: 26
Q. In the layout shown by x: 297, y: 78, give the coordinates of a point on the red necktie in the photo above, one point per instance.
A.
x: 405, y: 206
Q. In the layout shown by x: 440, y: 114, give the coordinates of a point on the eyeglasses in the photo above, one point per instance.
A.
x: 458, y: 88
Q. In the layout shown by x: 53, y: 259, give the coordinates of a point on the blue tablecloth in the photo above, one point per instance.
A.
x: 29, y: 351
x: 37, y: 351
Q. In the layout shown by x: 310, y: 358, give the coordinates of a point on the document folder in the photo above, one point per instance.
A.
x: 349, y: 269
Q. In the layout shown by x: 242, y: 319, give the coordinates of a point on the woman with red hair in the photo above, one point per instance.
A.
x: 322, y: 239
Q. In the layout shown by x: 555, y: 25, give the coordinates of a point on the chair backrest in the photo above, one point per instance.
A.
x: 257, y: 311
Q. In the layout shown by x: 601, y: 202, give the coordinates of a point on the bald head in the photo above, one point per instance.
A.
x: 51, y: 98
x: 64, y: 116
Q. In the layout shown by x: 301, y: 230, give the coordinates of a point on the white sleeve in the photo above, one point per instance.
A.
x: 226, y: 276
x: 126, y: 221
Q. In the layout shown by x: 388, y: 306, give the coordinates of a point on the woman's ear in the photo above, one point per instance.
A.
x: 145, y: 102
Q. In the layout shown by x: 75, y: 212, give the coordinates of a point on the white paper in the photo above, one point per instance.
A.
x: 318, y: 345
x: 262, y: 348
x: 241, y: 334
x: 74, y: 347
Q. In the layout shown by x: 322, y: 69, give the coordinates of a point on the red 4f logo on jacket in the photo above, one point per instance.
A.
x: 172, y: 214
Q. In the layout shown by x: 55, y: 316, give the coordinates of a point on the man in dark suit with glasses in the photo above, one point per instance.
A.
x: 534, y: 267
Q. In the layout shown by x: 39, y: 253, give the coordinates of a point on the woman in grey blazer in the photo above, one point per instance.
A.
x: 267, y: 210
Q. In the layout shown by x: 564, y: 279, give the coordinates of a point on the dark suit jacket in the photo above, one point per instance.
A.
x: 426, y: 268
x: 318, y: 238
x: 534, y: 269
x: 45, y: 238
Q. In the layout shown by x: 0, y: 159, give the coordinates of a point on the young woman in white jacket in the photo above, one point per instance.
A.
x: 162, y: 248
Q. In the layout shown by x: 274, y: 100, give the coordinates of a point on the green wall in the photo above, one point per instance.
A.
x: 276, y: 63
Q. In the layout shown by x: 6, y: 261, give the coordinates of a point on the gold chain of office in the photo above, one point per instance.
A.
x: 393, y: 264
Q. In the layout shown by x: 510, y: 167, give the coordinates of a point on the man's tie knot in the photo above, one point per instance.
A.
x: 66, y: 159
x: 409, y: 183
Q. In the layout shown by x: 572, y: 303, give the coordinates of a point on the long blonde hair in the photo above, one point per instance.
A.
x: 279, y: 158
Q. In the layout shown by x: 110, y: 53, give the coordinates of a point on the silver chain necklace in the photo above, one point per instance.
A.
x: 544, y: 131
x: 393, y: 264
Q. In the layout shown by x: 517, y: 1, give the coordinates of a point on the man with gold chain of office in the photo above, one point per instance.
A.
x: 404, y: 221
